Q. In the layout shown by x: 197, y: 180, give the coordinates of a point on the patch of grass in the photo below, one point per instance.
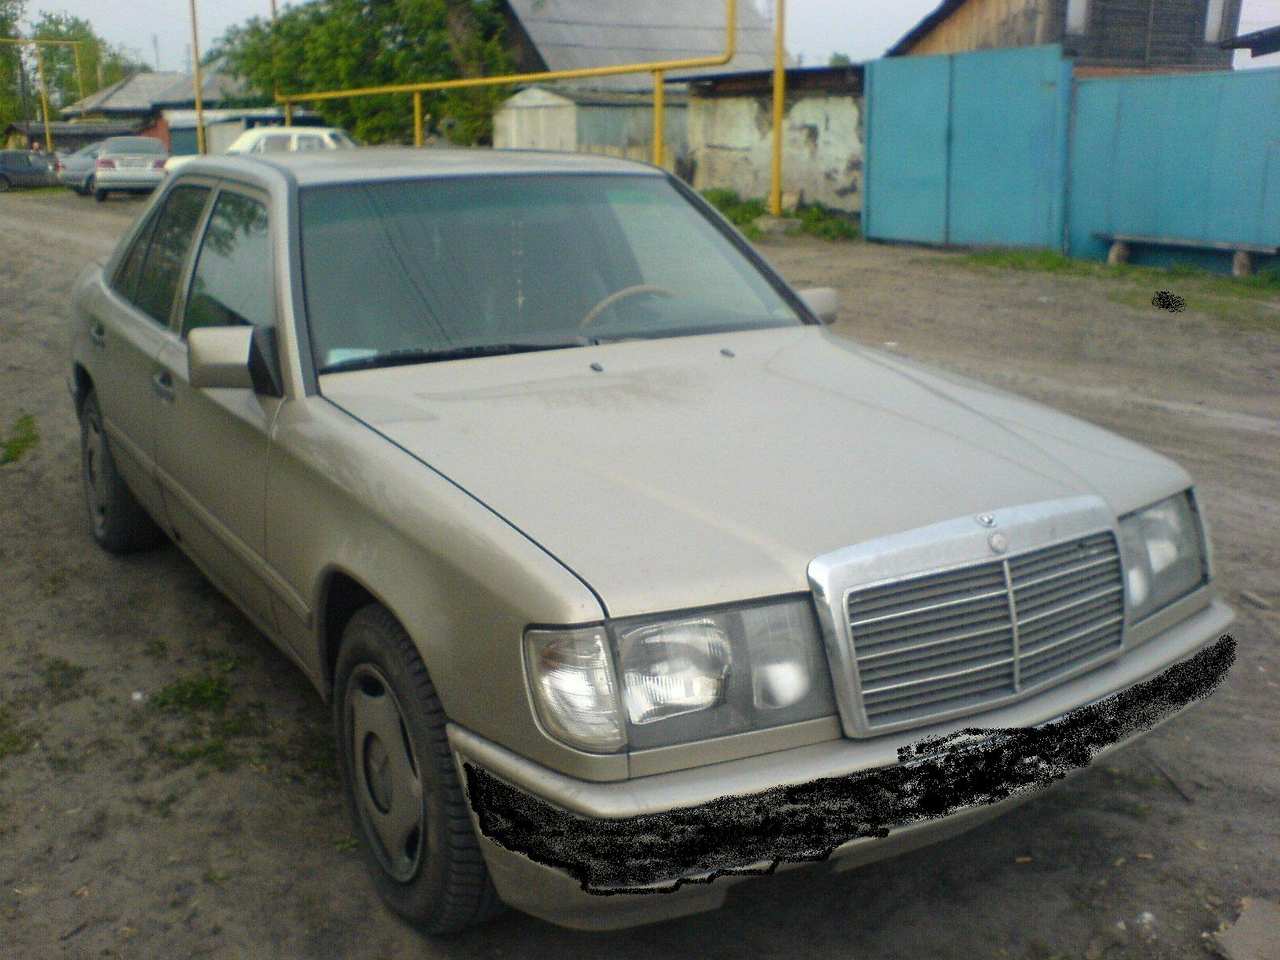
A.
x: 157, y: 648
x: 346, y: 844
x: 215, y: 752
x: 827, y: 224
x: 14, y: 738
x: 65, y: 763
x: 741, y: 213
x: 23, y: 437
x: 63, y: 679
x: 1191, y: 279
x: 191, y: 694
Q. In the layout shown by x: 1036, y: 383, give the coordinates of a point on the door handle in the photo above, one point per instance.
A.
x: 98, y: 334
x: 162, y: 385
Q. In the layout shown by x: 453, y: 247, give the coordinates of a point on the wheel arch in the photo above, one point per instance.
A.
x: 82, y: 383
x: 341, y: 594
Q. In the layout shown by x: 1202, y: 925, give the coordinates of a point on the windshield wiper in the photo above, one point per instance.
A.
x: 401, y: 358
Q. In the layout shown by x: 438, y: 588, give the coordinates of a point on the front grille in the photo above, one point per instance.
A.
x: 956, y: 640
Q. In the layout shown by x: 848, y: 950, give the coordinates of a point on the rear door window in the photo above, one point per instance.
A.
x: 232, y: 284
x: 310, y: 142
x: 276, y: 143
x: 174, y: 232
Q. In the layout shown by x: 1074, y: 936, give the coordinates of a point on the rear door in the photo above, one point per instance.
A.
x: 128, y: 325
x: 212, y: 445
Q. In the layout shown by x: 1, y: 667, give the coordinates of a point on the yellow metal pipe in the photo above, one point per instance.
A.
x: 288, y: 114
x: 666, y: 66
x: 417, y: 119
x: 79, y: 70
x: 779, y: 104
x: 659, y: 117
x: 44, y: 100
x: 197, y: 81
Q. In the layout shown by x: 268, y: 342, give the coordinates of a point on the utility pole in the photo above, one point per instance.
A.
x: 198, y: 80
x: 155, y: 45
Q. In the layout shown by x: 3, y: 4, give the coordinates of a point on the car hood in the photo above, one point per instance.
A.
x: 701, y: 470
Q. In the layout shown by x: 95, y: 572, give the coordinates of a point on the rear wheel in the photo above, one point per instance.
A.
x: 120, y: 524
x: 99, y: 194
x: 401, y: 784
x: 4, y: 184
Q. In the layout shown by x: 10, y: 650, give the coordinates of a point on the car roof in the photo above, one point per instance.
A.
x: 369, y: 164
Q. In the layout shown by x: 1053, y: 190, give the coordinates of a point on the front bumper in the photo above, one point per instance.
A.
x: 578, y: 853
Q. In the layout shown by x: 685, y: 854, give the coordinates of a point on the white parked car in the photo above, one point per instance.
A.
x: 128, y: 165
x: 279, y: 140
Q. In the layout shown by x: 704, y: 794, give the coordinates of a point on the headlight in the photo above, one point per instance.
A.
x: 1164, y: 554
x: 684, y: 678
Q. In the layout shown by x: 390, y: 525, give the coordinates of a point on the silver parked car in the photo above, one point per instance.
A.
x: 75, y: 170
x: 128, y: 165
x: 625, y: 576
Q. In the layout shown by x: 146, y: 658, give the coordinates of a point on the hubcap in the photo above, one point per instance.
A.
x: 388, y: 787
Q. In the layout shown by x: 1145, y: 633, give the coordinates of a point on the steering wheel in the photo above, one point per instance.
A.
x: 619, y: 295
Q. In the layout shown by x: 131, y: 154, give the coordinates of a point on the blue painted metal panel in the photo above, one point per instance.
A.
x: 969, y: 148
x: 1195, y: 157
x: 1008, y: 147
x: 906, y: 131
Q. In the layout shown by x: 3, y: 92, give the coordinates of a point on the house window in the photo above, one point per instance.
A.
x: 1213, y: 21
x: 1078, y: 15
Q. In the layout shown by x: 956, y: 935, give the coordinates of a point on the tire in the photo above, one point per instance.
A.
x: 99, y: 195
x: 423, y: 856
x: 119, y: 523
x: 4, y: 184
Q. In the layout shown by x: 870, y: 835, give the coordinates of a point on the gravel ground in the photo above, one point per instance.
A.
x: 213, y: 828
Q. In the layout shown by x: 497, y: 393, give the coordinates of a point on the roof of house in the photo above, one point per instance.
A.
x: 90, y: 130
x: 1258, y: 43
x: 569, y: 35
x: 842, y: 79
x: 931, y: 20
x: 146, y: 92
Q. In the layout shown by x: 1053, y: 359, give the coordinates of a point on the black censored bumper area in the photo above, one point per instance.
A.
x: 934, y: 778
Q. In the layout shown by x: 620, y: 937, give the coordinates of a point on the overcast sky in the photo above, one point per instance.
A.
x: 815, y: 28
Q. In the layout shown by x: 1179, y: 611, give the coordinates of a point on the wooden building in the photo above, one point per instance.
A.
x: 1102, y: 36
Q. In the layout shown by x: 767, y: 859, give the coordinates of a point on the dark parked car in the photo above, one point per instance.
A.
x: 22, y: 168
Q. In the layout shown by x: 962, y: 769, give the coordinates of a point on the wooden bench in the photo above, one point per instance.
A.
x: 1241, y: 260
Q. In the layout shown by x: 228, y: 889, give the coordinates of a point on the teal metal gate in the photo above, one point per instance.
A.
x: 969, y: 148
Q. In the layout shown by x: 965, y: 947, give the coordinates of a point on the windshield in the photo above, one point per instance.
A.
x: 406, y: 270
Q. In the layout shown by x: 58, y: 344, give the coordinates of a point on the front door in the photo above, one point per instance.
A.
x: 212, y: 445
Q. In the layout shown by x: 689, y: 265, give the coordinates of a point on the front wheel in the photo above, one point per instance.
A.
x: 99, y: 194
x: 401, y: 785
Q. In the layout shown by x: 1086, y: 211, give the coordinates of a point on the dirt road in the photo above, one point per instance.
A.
x: 166, y: 781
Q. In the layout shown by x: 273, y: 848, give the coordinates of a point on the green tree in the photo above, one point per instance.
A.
x: 840, y: 60
x: 11, y: 78
x: 101, y: 64
x: 335, y: 44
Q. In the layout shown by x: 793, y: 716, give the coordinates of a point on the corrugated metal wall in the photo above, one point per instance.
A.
x: 1000, y: 148
x: 1191, y: 156
x: 969, y: 148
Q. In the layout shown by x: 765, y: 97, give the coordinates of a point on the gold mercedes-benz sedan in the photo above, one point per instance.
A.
x: 626, y: 578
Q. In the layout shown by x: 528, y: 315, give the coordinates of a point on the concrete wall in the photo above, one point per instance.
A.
x: 730, y: 140
x: 983, y: 24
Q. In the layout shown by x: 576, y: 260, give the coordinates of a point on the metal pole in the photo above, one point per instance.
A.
x: 79, y: 70
x: 288, y: 114
x: 197, y: 80
x: 44, y: 100
x: 779, y: 103
x: 659, y: 117
x: 417, y: 118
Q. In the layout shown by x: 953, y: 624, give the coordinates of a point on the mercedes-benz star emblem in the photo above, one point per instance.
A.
x: 987, y: 519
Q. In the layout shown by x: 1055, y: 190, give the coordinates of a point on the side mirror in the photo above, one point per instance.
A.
x: 823, y: 303
x: 234, y: 358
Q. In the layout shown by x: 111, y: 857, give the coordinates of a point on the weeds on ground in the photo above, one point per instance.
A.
x: 815, y: 219
x: 62, y: 678
x: 209, y: 692
x: 14, y: 739
x: 23, y: 437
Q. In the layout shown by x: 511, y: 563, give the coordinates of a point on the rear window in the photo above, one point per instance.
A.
x: 134, y: 145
